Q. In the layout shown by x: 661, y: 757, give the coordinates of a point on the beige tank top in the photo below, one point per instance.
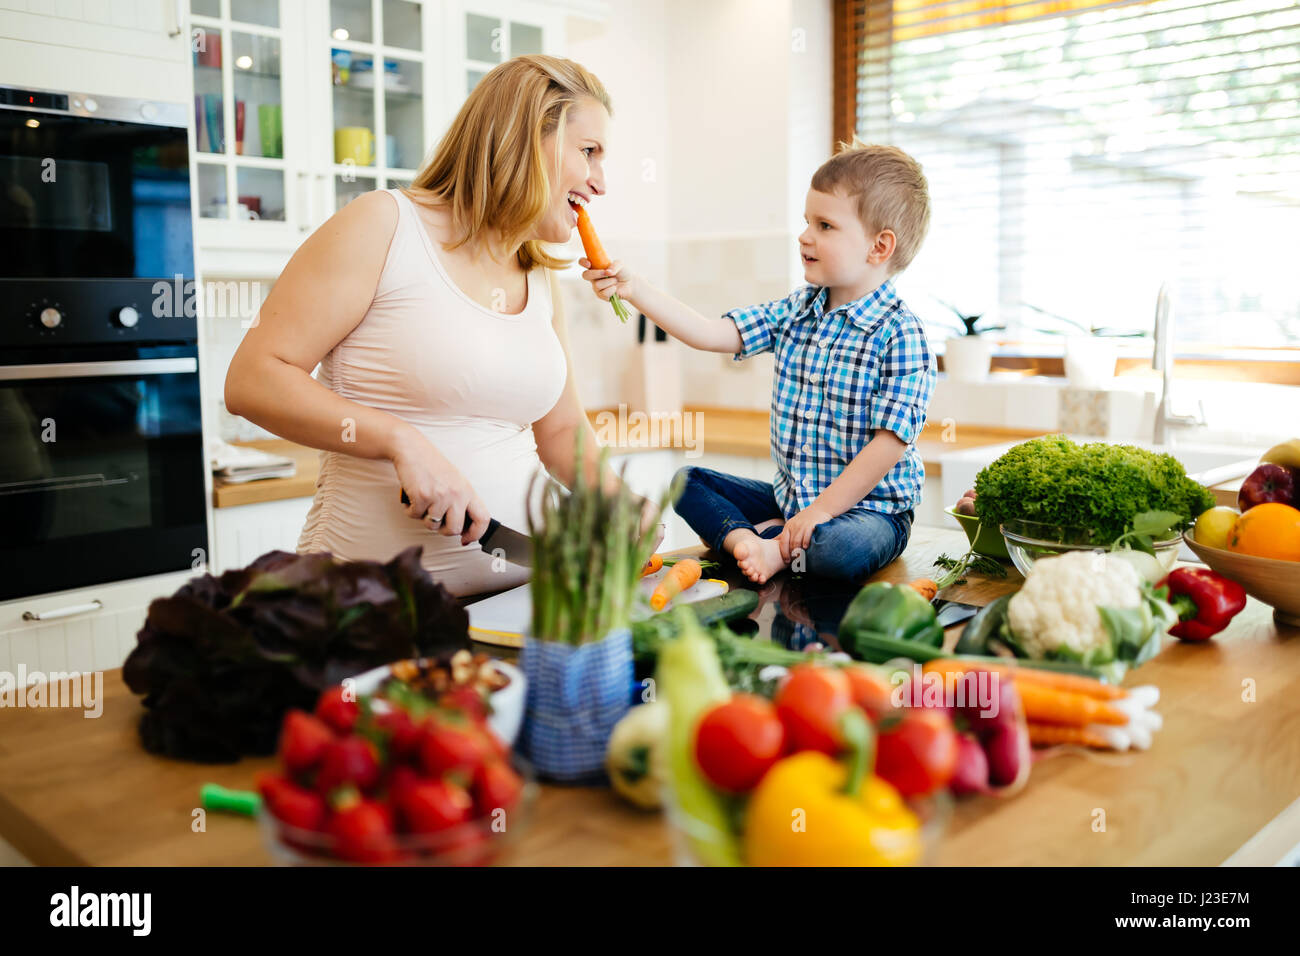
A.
x: 471, y: 379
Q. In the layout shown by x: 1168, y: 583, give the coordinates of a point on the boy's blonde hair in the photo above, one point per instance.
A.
x: 489, y: 166
x: 891, y: 191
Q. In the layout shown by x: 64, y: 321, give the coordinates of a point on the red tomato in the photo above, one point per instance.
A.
x: 871, y: 690
x: 916, y: 750
x: 737, y: 741
x: 811, y: 703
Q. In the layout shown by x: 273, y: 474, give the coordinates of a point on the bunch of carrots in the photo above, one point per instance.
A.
x: 598, y: 257
x: 1070, y: 708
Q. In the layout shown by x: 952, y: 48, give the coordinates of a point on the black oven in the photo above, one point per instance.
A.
x: 101, y: 444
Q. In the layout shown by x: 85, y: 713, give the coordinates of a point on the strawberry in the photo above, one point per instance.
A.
x: 363, y: 832
x: 337, y: 709
x: 303, y: 740
x: 291, y: 804
x: 496, y: 786
x: 449, y: 748
x: 402, y: 733
x: 351, y: 760
x: 430, y: 806
x: 467, y: 700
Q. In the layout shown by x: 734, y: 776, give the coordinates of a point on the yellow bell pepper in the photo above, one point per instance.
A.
x: 810, y: 810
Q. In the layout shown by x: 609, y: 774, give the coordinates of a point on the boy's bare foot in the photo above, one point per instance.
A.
x: 759, y: 558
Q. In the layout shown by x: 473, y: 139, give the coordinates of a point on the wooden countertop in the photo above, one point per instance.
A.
x: 726, y: 431
x: 77, y: 791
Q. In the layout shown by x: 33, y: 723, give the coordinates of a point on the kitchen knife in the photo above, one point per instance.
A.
x: 518, y: 547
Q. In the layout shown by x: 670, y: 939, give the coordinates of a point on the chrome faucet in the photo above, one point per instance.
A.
x: 1162, y: 359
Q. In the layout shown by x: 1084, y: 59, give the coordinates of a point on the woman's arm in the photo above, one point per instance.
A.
x: 556, y: 432
x: 320, y: 297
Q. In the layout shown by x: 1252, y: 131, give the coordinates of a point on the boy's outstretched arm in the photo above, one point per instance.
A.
x: 867, y: 469
x: 673, y: 316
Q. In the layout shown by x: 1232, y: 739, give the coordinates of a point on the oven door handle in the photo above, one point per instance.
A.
x: 158, y: 366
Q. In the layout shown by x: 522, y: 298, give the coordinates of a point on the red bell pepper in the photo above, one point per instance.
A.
x: 1205, y: 602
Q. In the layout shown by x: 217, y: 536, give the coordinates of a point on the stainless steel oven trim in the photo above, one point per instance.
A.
x: 121, y: 108
x: 159, y: 366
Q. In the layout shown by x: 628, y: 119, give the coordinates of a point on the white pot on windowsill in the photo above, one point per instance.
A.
x: 966, y: 358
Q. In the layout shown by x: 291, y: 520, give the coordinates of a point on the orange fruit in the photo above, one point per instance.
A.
x: 1269, y: 530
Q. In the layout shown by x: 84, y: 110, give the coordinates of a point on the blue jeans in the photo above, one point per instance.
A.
x: 850, y: 546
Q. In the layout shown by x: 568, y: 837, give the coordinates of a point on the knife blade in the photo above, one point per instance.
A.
x: 516, y: 546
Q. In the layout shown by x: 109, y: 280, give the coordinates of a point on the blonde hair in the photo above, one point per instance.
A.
x: 489, y: 168
x: 891, y: 191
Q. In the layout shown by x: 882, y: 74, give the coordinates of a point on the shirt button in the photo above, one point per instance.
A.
x: 814, y: 378
x: 807, y: 413
x: 821, y: 344
x: 807, y: 449
x: 805, y: 482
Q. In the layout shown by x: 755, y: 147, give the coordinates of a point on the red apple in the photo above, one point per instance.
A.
x: 1268, y: 483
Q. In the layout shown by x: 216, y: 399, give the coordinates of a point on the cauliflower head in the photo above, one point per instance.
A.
x: 1056, y: 613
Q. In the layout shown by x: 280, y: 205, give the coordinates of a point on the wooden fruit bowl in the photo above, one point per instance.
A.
x: 1276, y: 583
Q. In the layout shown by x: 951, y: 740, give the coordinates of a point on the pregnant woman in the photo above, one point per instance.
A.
x: 435, y: 319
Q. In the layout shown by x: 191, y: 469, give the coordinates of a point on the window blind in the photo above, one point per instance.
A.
x: 1081, y: 153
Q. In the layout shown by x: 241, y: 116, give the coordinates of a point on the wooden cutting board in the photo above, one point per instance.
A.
x: 502, y: 619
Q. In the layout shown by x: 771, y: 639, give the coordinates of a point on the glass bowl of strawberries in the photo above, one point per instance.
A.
x: 401, y: 780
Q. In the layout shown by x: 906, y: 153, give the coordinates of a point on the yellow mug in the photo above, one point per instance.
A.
x: 354, y: 144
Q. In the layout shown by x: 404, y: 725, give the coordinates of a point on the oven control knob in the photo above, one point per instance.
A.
x: 51, y: 317
x: 149, y: 111
x: 127, y: 317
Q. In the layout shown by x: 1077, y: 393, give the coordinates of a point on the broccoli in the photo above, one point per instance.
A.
x: 1096, y: 486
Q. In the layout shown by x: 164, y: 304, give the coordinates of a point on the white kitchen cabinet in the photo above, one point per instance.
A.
x: 245, y: 532
x: 91, y: 640
x: 365, y: 89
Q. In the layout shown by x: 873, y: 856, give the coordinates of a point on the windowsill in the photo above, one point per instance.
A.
x: 1133, y: 360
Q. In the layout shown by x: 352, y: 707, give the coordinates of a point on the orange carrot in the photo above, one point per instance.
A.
x: 924, y: 587
x: 680, y: 576
x: 1046, y: 705
x: 1048, y: 735
x: 654, y: 564
x: 598, y: 257
x: 1074, y: 683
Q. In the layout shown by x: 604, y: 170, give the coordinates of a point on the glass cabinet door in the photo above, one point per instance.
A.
x: 377, y: 79
x: 491, y: 38
x: 238, y: 109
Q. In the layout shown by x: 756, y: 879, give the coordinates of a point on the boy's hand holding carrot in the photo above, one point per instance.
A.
x: 612, y: 280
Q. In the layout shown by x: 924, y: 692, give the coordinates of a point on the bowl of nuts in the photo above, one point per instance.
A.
x: 459, y: 679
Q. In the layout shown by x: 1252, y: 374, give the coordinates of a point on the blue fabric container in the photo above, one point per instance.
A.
x: 576, y: 694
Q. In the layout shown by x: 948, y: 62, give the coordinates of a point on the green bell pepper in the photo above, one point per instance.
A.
x: 885, y: 612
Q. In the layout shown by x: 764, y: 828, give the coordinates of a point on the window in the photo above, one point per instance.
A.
x: 1079, y: 154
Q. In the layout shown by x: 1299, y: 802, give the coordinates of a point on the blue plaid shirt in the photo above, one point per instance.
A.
x: 840, y: 376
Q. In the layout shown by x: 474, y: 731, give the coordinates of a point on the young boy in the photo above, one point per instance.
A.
x: 853, y: 381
